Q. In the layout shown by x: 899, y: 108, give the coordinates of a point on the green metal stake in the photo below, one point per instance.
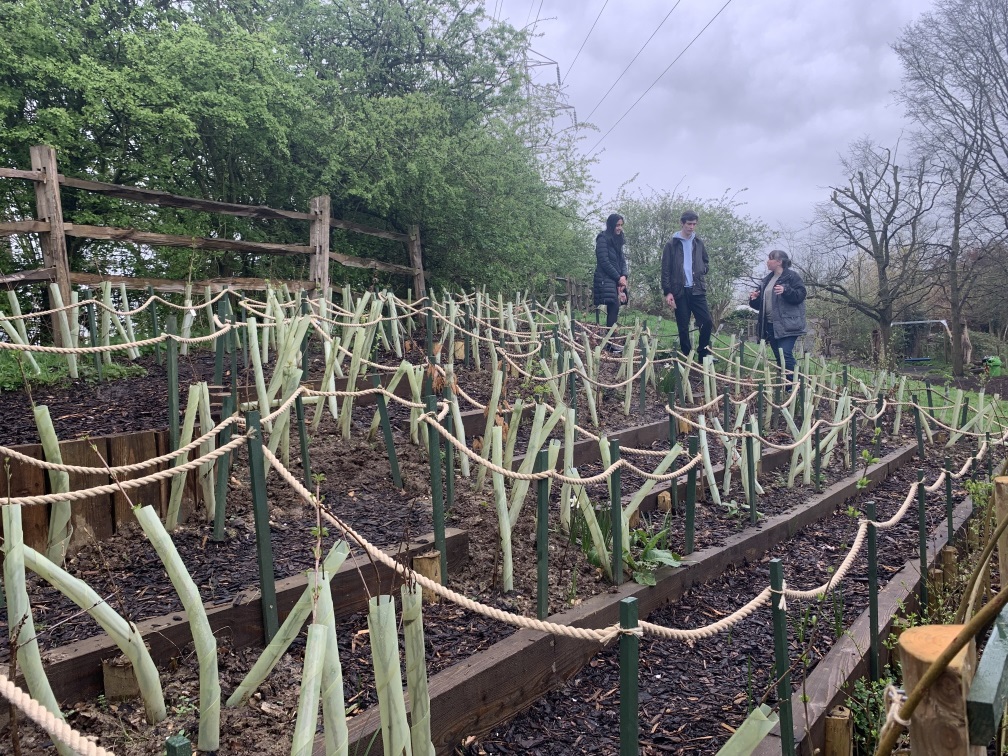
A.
x: 178, y: 745
x: 873, y: 608
x: 691, y: 476
x: 173, y: 387
x: 726, y: 408
x: 800, y: 407
x: 817, y: 455
x: 93, y: 330
x: 917, y: 427
x: 387, y: 434
x: 751, y: 476
x: 845, y: 380
x: 759, y: 407
x: 922, y: 538
x: 572, y: 386
x: 927, y: 387
x: 616, y: 513
x: 677, y: 389
x: 155, y: 328
x: 774, y: 411
x: 223, y: 473
x: 303, y: 438
x: 629, y: 660
x: 781, y: 660
x: 964, y: 414
x: 542, y: 536
x: 264, y: 547
x: 437, y: 500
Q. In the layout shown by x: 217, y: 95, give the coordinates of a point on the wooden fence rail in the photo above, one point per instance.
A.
x: 52, y: 231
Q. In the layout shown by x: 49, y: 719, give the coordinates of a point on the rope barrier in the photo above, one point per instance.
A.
x: 45, y: 719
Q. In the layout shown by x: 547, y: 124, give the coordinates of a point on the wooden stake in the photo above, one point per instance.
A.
x: 938, y: 725
x: 429, y: 565
x: 839, y: 732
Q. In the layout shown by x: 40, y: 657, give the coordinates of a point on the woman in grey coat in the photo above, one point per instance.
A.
x: 780, y: 301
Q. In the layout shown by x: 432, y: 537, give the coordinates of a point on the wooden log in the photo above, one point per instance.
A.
x: 42, y: 275
x: 839, y: 732
x: 164, y: 199
x: 24, y: 227
x: 50, y: 209
x: 359, y: 262
x: 428, y: 564
x: 938, y: 726
x: 19, y: 174
x: 136, y: 236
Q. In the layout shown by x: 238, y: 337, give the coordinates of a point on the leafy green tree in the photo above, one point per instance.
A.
x: 403, y: 111
x: 733, y: 240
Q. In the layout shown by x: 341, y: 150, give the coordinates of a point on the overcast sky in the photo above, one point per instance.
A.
x: 765, y: 100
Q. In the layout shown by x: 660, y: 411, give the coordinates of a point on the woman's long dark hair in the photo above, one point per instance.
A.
x: 610, y: 226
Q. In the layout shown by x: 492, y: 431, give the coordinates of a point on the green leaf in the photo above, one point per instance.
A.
x: 663, y: 556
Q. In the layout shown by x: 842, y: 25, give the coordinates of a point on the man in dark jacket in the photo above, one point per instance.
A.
x: 780, y: 301
x: 684, y: 280
x: 610, y: 268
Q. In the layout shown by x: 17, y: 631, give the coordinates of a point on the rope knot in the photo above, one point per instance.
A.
x: 894, y: 698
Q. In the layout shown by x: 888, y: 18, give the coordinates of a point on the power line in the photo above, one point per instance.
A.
x: 595, y: 146
x: 632, y: 61
x: 585, y: 39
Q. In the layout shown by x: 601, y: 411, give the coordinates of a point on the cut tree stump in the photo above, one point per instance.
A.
x: 938, y: 725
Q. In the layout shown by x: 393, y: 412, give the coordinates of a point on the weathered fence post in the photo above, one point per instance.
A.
x: 938, y: 724
x: 49, y: 208
x: 416, y: 261
x: 319, y: 242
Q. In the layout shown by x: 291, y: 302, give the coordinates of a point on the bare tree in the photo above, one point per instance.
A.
x: 873, y: 240
x: 951, y: 103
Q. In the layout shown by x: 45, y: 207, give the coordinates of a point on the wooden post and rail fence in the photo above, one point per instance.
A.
x: 52, y: 230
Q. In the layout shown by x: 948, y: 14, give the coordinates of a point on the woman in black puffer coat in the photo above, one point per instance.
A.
x: 610, y: 268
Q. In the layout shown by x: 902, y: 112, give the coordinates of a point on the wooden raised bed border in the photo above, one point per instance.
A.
x: 75, y: 670
x: 475, y: 695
